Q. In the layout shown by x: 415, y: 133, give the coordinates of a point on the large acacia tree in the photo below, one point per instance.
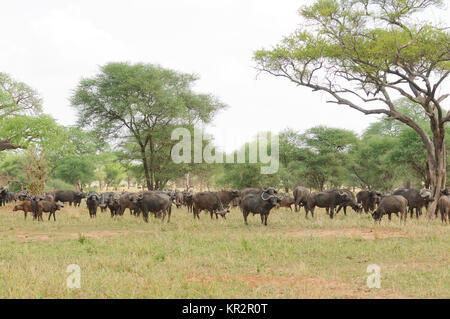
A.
x: 367, y: 53
x: 140, y: 102
x: 16, y: 98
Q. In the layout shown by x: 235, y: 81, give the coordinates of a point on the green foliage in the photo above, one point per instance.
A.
x: 57, y: 184
x: 370, y: 165
x: 363, y: 54
x: 17, y: 98
x: 75, y: 170
x: 326, y: 156
x: 140, y: 105
x: 243, y: 175
x: 24, y: 131
x: 115, y: 173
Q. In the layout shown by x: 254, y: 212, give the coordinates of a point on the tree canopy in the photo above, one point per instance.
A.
x: 366, y: 53
x: 140, y: 103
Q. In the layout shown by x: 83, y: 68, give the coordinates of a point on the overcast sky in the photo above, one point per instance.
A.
x: 51, y: 45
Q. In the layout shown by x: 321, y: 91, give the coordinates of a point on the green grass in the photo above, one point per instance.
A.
x: 290, y: 258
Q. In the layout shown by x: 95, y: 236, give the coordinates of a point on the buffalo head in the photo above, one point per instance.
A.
x: 426, y: 194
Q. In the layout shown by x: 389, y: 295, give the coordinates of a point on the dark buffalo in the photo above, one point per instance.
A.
x: 78, y: 197
x: 247, y: 191
x: 327, y: 199
x: 236, y: 202
x: 10, y: 197
x: 179, y: 198
x: 92, y: 202
x: 209, y: 201
x: 258, y: 204
x: 226, y: 197
x: 3, y: 195
x: 104, y: 199
x: 300, y: 197
x: 392, y: 204
x: 286, y: 201
x: 416, y: 199
x: 188, y: 200
x: 67, y: 196
x: 349, y: 201
x: 368, y: 199
x: 444, y: 206
x: 158, y: 203
x: 23, y: 195
x: 113, y: 203
x: 130, y: 201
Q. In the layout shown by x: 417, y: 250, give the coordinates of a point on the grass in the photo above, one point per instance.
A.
x: 290, y: 258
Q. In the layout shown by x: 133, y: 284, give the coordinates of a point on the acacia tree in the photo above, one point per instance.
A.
x: 139, y: 102
x: 15, y: 98
x: 365, y: 53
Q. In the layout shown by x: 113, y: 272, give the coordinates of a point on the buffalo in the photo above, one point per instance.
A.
x: 3, y: 195
x: 156, y: 203
x: 246, y: 191
x: 188, y: 200
x: 327, y: 199
x: 78, y: 197
x: 226, y: 197
x: 25, y: 206
x: 45, y: 206
x: 444, y: 206
x: 130, y: 201
x: 68, y: 196
x: 179, y: 199
x: 209, y: 201
x: 392, y: 204
x: 92, y: 202
x: 368, y: 199
x: 286, y: 201
x: 113, y: 203
x: 104, y: 199
x: 258, y: 204
x: 300, y: 197
x: 416, y: 199
x: 349, y: 201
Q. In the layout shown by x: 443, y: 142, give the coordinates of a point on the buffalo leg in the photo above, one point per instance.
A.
x: 245, y: 217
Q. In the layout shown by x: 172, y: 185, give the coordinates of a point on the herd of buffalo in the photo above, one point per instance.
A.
x: 250, y: 200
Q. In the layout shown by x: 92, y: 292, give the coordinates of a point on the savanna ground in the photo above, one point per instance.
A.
x: 290, y: 258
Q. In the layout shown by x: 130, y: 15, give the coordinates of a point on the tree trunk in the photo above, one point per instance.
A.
x: 437, y: 164
x: 152, y: 171
x: 144, y: 162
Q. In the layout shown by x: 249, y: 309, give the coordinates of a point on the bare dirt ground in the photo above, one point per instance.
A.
x: 354, y: 233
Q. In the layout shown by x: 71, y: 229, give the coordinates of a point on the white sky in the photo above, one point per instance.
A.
x: 51, y: 45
